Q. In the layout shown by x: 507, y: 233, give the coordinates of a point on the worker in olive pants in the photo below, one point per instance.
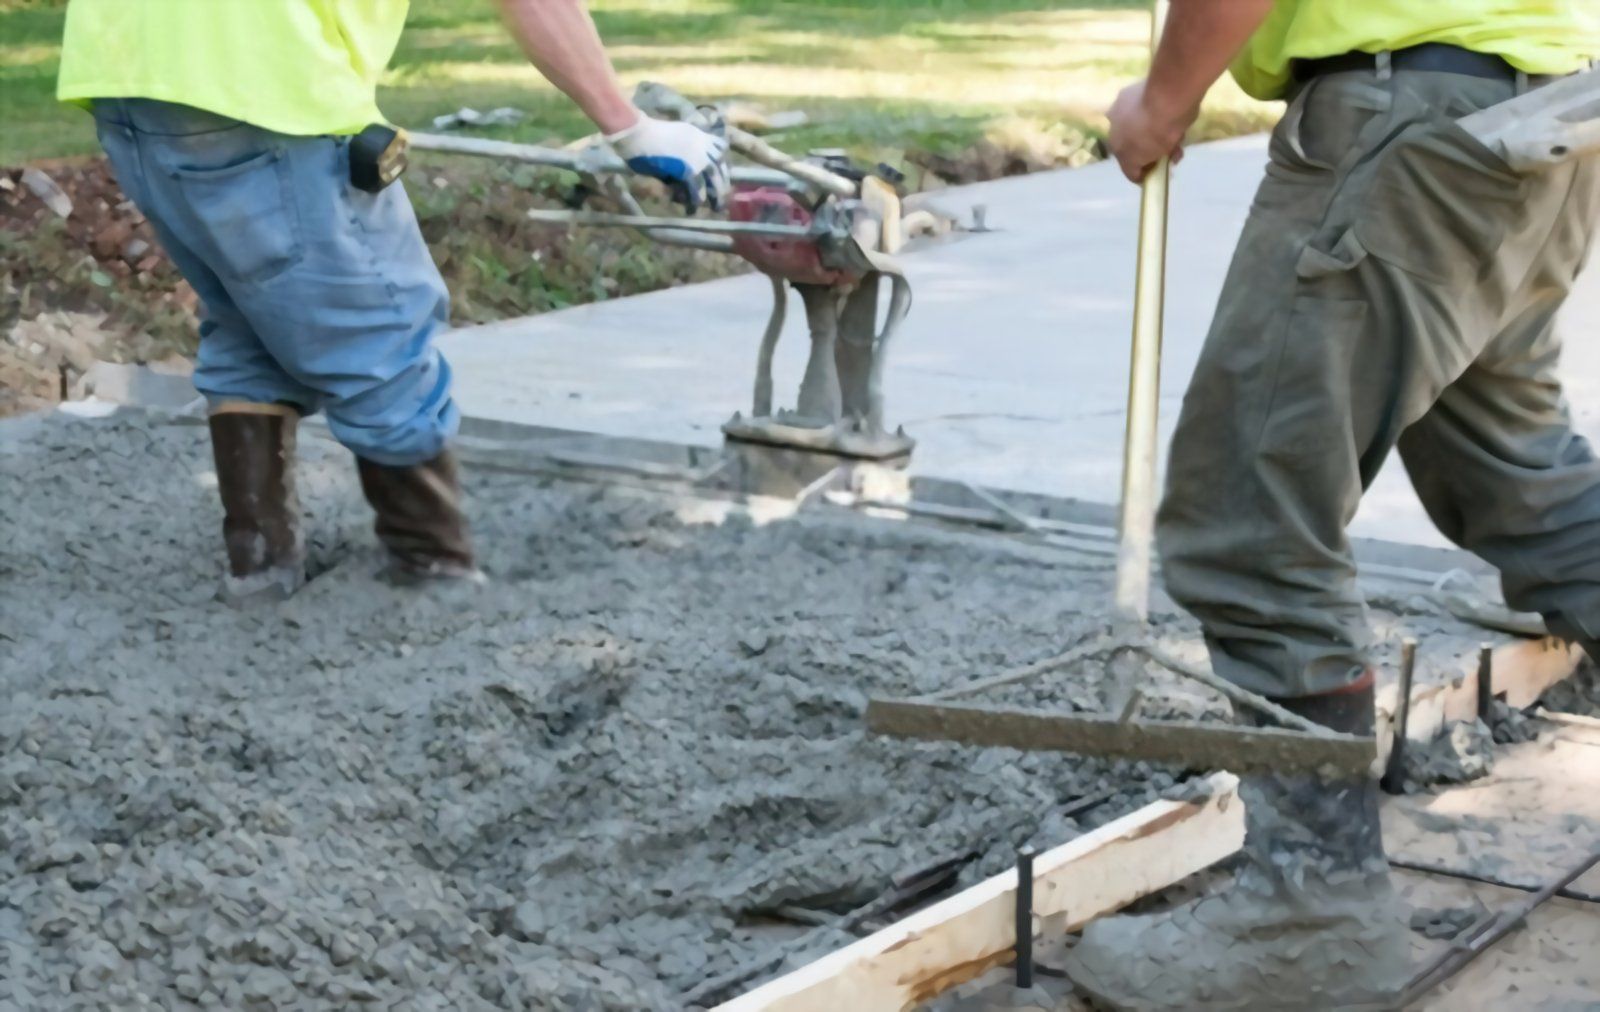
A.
x: 230, y: 125
x: 1396, y: 285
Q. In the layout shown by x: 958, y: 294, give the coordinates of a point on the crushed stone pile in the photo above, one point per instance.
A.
x: 587, y: 786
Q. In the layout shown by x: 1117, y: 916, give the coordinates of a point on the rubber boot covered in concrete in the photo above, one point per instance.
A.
x: 1312, y: 920
x: 420, y: 521
x: 253, y: 447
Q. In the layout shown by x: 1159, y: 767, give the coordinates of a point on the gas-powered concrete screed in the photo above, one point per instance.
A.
x: 818, y: 225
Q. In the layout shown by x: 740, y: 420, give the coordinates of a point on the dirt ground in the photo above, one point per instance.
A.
x: 88, y: 285
x: 1535, y: 817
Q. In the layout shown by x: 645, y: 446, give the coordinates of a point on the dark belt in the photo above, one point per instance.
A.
x: 1431, y: 56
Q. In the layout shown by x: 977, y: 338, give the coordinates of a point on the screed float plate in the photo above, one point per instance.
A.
x: 1178, y: 742
x: 834, y: 439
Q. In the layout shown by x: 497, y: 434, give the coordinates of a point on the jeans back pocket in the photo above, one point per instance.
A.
x: 245, y: 212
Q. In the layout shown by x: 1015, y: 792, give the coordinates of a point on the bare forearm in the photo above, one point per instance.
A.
x: 560, y: 38
x: 1202, y: 37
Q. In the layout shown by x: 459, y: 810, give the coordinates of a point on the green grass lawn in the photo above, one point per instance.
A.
x: 877, y: 76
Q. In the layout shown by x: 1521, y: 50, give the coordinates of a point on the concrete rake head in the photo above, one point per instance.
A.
x: 1295, y: 745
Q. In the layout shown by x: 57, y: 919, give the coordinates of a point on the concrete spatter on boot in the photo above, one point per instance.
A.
x: 1311, y: 920
x: 265, y: 587
x: 437, y: 577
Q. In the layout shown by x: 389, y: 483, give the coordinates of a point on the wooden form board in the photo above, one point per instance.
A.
x: 959, y: 938
x: 1523, y: 670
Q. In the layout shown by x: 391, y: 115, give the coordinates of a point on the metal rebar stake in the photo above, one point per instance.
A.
x: 1394, y: 773
x: 1024, y: 945
x: 1135, y: 555
x: 1485, y: 681
x: 1444, y: 871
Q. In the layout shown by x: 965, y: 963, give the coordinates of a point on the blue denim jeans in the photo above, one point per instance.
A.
x: 314, y: 294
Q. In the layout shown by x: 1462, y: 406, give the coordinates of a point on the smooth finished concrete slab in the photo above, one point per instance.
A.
x: 1011, y: 370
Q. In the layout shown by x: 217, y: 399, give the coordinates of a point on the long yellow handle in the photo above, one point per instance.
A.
x: 1137, y: 531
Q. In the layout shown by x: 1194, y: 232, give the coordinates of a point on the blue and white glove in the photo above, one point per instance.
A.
x: 692, y: 162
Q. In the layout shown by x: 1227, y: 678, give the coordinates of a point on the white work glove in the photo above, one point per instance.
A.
x: 692, y: 162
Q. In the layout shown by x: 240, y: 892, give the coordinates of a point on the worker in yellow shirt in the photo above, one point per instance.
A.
x: 232, y: 124
x: 1396, y: 286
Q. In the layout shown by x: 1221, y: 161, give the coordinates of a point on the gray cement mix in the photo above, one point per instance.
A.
x: 1579, y: 694
x: 584, y: 787
x: 1463, y: 752
x: 589, y: 786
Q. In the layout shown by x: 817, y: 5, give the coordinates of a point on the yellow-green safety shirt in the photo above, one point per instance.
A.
x: 1537, y: 36
x: 301, y: 67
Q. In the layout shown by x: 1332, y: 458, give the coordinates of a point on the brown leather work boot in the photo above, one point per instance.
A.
x: 253, y: 446
x: 420, y: 520
x: 1311, y: 921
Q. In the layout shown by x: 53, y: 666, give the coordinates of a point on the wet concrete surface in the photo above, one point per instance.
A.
x: 592, y: 785
x: 584, y: 787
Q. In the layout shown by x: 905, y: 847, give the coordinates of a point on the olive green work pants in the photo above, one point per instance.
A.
x: 1396, y: 285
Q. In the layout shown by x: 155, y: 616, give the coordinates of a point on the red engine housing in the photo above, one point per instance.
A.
x: 795, y: 260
